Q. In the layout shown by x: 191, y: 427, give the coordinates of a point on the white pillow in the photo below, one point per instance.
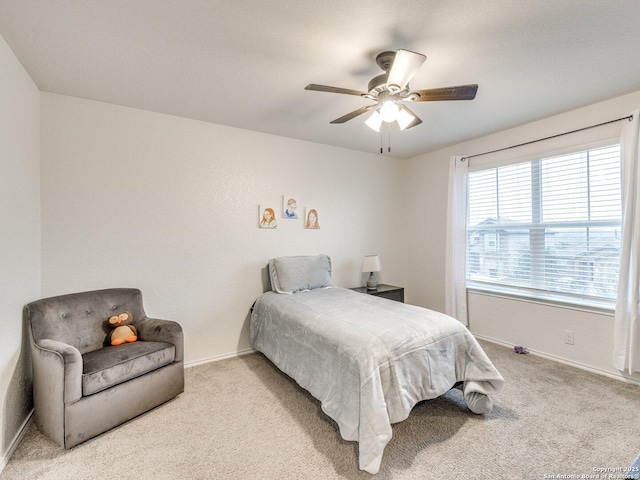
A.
x: 295, y: 274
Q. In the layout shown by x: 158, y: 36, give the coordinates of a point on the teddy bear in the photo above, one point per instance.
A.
x: 122, y: 330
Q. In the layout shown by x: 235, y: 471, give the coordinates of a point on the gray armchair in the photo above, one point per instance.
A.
x: 82, y: 386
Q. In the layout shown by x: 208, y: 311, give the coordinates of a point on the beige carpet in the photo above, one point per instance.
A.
x: 243, y: 419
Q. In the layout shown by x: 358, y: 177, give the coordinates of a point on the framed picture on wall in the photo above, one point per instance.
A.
x: 311, y: 219
x: 289, y: 206
x: 266, y: 217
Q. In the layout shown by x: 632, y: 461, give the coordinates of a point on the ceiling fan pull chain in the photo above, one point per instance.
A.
x: 389, y: 137
x: 381, y: 142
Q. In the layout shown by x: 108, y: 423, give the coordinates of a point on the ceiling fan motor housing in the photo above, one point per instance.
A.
x: 378, y: 84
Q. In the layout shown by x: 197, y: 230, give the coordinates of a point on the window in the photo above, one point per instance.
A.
x: 548, y: 227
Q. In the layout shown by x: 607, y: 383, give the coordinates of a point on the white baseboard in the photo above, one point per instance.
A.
x: 565, y: 361
x: 16, y: 441
x: 217, y: 358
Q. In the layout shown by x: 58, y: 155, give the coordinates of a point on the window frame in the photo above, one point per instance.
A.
x: 530, y: 293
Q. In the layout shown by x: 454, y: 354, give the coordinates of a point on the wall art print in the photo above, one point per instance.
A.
x: 311, y: 219
x: 266, y: 217
x: 289, y: 206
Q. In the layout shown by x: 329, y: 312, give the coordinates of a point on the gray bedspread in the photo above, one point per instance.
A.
x: 369, y: 360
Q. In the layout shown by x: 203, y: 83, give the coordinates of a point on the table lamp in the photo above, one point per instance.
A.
x: 371, y: 263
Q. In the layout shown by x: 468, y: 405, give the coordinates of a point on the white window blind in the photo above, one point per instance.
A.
x: 548, y: 227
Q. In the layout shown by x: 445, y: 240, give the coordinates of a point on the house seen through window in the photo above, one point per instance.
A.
x: 548, y: 227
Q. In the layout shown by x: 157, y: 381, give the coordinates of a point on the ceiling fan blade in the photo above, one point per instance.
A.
x: 405, y: 65
x: 416, y: 120
x: 353, y: 114
x: 325, y: 88
x: 460, y: 92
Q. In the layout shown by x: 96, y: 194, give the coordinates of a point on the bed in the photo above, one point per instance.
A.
x: 368, y: 360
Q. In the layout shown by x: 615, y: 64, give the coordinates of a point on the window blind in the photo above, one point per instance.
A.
x: 547, y: 226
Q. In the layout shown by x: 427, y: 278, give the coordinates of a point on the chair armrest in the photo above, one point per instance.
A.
x: 59, y: 365
x: 156, y: 330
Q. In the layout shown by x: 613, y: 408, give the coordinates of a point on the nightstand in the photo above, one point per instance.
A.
x: 385, y: 291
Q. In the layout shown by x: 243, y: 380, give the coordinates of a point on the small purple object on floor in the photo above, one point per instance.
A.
x: 519, y: 349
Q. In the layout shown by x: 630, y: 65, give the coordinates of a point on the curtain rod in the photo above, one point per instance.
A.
x: 628, y: 117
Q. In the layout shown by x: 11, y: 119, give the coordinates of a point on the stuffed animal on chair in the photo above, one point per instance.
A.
x: 122, y: 331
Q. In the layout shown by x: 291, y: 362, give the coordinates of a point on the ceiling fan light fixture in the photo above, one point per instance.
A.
x: 390, y: 91
x: 374, y: 121
x: 389, y: 111
x: 404, y: 118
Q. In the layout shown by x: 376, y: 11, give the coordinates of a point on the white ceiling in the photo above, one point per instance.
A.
x: 245, y: 63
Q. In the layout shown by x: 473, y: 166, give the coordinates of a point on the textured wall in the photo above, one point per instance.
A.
x: 19, y: 237
x: 170, y: 205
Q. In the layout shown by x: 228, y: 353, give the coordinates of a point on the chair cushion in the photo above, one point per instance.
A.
x: 109, y: 366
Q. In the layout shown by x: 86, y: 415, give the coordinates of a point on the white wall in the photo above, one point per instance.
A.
x: 170, y: 205
x: 538, y: 327
x: 19, y: 238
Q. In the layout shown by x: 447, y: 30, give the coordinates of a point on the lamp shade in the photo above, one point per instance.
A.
x: 404, y: 118
x: 374, y: 121
x: 371, y: 263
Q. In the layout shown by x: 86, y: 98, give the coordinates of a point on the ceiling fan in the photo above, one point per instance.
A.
x: 391, y: 89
